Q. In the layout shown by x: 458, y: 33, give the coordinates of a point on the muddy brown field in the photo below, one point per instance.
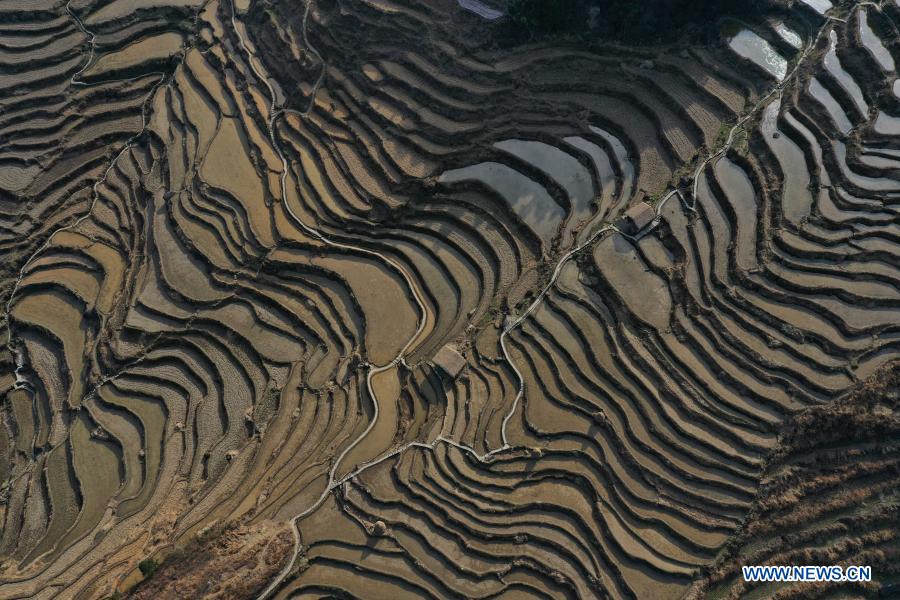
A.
x: 342, y: 299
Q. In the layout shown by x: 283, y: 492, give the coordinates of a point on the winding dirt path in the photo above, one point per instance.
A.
x: 20, y: 382
x: 510, y: 326
x: 275, y: 112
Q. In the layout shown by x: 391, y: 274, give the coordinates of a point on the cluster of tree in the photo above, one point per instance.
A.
x: 629, y: 21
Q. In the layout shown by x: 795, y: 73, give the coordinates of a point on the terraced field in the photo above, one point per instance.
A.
x: 848, y: 445
x: 237, y: 234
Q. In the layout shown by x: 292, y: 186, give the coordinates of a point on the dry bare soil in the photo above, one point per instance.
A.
x: 233, y: 235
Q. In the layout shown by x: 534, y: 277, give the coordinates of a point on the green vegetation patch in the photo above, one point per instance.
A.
x: 148, y: 567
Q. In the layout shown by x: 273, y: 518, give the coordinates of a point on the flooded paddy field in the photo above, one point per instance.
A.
x: 292, y: 296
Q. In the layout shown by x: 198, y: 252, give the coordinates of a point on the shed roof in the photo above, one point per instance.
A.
x: 640, y: 215
x: 449, y: 360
